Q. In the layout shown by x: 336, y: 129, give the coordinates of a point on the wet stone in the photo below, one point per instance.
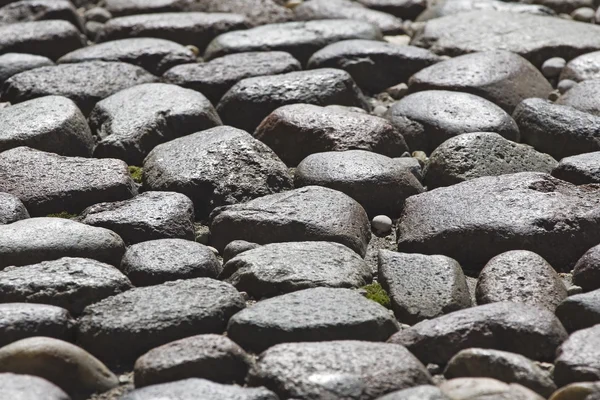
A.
x: 14, y: 63
x: 28, y: 387
x: 11, y: 209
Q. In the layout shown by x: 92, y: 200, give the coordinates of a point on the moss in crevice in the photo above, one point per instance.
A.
x: 136, y: 173
x: 62, y: 214
x: 376, y: 293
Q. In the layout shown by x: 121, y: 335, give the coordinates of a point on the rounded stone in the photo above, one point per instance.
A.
x: 14, y: 63
x: 587, y: 270
x: 552, y: 67
x: 11, y: 209
x: 237, y: 247
x: 584, y: 14
x: 582, y: 68
x: 580, y: 169
x: 480, y: 388
x: 565, y: 85
x: 28, y: 387
x: 382, y: 224
x: 583, y: 97
x: 578, y: 358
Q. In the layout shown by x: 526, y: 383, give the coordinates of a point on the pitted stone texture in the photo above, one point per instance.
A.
x: 311, y: 213
x: 14, y: 63
x: 583, y: 97
x: 582, y: 68
x: 580, y: 169
x: 121, y: 328
x: 216, y: 167
x: 476, y: 220
x: 421, y: 392
x: 279, y: 268
x: 578, y: 359
x: 251, y: 100
x: 587, y: 270
x: 429, y: 118
x: 580, y: 311
x: 28, y: 387
x: 36, y: 10
x: 300, y: 39
x: 337, y: 370
x: 48, y: 183
x: 129, y: 129
x: 11, y: 209
x: 214, y: 78
x: 311, y: 315
x: 84, y: 83
x: 299, y: 130
x: 519, y: 328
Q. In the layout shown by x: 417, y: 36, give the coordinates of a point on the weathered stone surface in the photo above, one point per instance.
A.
x: 582, y: 68
x: 84, y: 83
x: 21, y: 320
x: 501, y: 365
x: 157, y: 261
x: 11, y: 209
x: 486, y: 388
x: 473, y: 155
x: 214, y: 78
x: 216, y: 167
x: 212, y: 357
x: 48, y: 183
x: 421, y: 392
x: 520, y: 276
x: 443, y: 8
x: 280, y: 268
x: 580, y: 169
x: 258, y: 12
x: 72, y: 369
x: 121, y: 328
x: 577, y: 391
x: 300, y: 39
x: 51, y: 123
x: 582, y: 97
x: 311, y: 315
x: 14, y: 63
x: 311, y: 213
x: 190, y: 28
x: 237, y: 247
x: 487, y: 216
x: 578, y: 358
x: 36, y: 10
x: 587, y: 270
x: 422, y: 287
x: 580, y: 311
x: 51, y: 38
x: 148, y: 216
x: 519, y: 328
x: 374, y: 65
x: 496, y: 30
x: 34, y: 240
x: 298, y: 130
x: 405, y: 9
x: 129, y: 129
x: 27, y: 387
x: 337, y: 369
x: 70, y: 283
x: 251, y: 100
x: 427, y: 119
x: 501, y: 77
x: 558, y: 130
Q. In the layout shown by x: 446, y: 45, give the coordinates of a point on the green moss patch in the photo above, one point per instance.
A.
x: 376, y: 293
x: 136, y: 173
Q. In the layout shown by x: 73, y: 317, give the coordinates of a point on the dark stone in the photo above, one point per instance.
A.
x: 580, y: 169
x: 350, y: 370
x: 373, y: 65
x: 582, y: 68
x: 53, y: 124
x: 427, y: 119
x: 11, y: 209
x: 212, y: 357
x: 48, y: 183
x: 157, y: 261
x: 580, y: 311
x: 587, y: 270
x: 311, y: 213
x: 237, y: 247
x: 298, y: 130
x: 130, y: 7
x: 14, y: 63
x: 84, y: 83
x: 148, y: 216
x: 311, y: 315
x: 442, y: 8
x: 28, y: 387
x: 214, y: 78
x: 251, y: 100
x: 422, y: 392
x: 422, y: 287
x: 405, y: 9
x: 578, y: 359
x: 37, y: 10
x: 129, y: 129
x: 121, y: 328
x: 486, y: 388
x: 583, y: 97
x: 216, y: 167
x: 21, y: 320
x: 519, y: 328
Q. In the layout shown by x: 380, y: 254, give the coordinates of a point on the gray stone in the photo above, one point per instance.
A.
x: 311, y: 213
x: 52, y: 123
x: 251, y: 100
x: 583, y: 97
x: 519, y: 328
x: 501, y: 77
x: 121, y: 328
x: 580, y: 311
x: 578, y: 358
x: 300, y: 39
x: 558, y: 130
x: 279, y: 268
x: 11, y: 209
x: 496, y: 30
x: 190, y: 28
x: 427, y: 119
x: 48, y: 183
x: 299, y: 130
x: 584, y: 14
x: 443, y: 8
x: 311, y: 315
x: 587, y: 270
x: 577, y: 391
x: 237, y: 247
x: 70, y: 283
x: 405, y: 9
x: 84, y: 83
x: 129, y: 129
x: 501, y: 365
x: 148, y: 216
x: 422, y: 287
x: 486, y: 388
x: 216, y: 167
x: 582, y: 68
x: 129, y: 7
x: 157, y: 261
x: 258, y: 12
x: 36, y: 10
x: 212, y: 357
x: 97, y: 14
x: 350, y: 370
x: 476, y: 220
x: 214, y: 78
x: 422, y: 392
x: 382, y: 225
x: 27, y: 387
x: 552, y: 67
x: 14, y: 63
x: 580, y: 169
x: 374, y: 65
x: 20, y: 320
x: 52, y: 38
x: 565, y: 85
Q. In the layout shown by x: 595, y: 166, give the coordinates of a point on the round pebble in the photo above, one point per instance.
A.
x: 382, y: 225
x: 552, y: 67
x: 584, y: 14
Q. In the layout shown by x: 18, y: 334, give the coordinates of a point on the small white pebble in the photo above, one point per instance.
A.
x: 379, y: 110
x: 382, y: 224
x: 584, y: 14
x: 213, y: 250
x: 401, y: 40
x: 552, y: 67
x: 565, y: 85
